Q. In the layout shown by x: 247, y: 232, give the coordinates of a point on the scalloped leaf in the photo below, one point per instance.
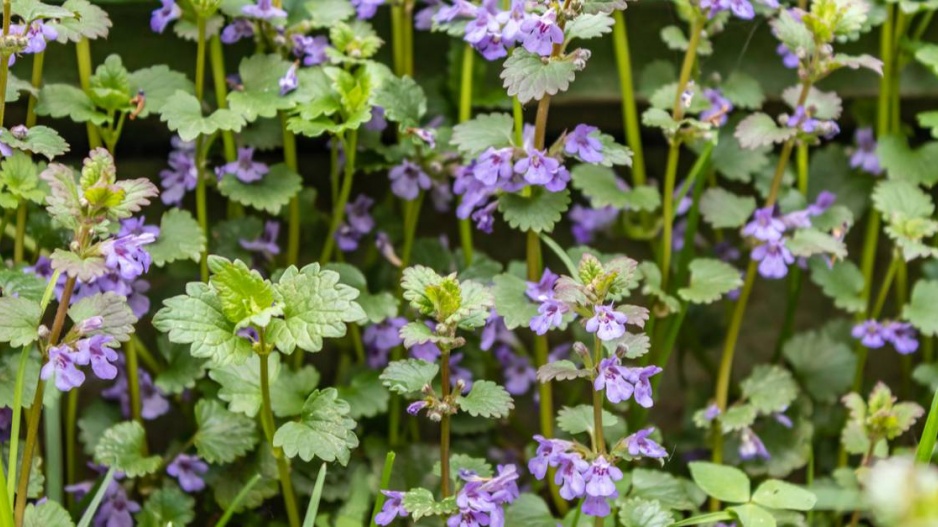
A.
x: 538, y: 212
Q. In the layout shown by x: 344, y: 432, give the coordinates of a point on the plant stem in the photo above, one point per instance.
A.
x: 52, y: 429
x: 4, y: 58
x: 71, y: 439
x: 465, y: 113
x: 201, y: 206
x: 35, y: 410
x: 599, y: 441
x: 338, y: 208
x: 15, y: 422
x: 796, y: 277
x: 217, y: 59
x: 6, y: 512
x: 239, y: 497
x: 36, y: 81
x: 444, y: 424
x: 98, y: 498
x: 133, y: 380
x: 397, y: 37
x: 517, y: 113
x: 926, y: 446
x: 289, y: 158
x: 633, y: 132
x: 385, y: 482
x: 83, y: 56
x: 407, y: 28
x: 267, y: 422
x: 861, y: 350
x: 411, y: 217
x: 21, y: 211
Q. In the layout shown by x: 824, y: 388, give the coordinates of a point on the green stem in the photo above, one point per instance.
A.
x: 599, y: 396
x: 385, y: 483
x: 397, y: 37
x: 633, y: 134
x: 236, y: 502
x: 289, y: 158
x: 313, y: 509
x: 201, y: 198
x: 796, y: 277
x: 21, y: 209
x: 334, y: 169
x: 36, y: 81
x: 98, y: 497
x: 338, y: 208
x: 861, y: 350
x: 445, y: 482
x: 411, y: 217
x: 52, y: 459
x: 267, y: 421
x: 83, y: 56
x: 6, y: 511
x: 465, y: 113
x: 17, y: 417
x: 217, y: 59
x: 133, y: 380
x: 517, y: 113
x: 71, y: 439
x: 407, y: 28
x: 926, y: 447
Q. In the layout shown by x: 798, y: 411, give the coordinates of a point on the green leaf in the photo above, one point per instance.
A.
x: 230, y: 480
x: 579, y: 419
x: 926, y: 120
x: 761, y: 130
x: 158, y: 83
x: 560, y: 370
x: 459, y: 462
x: 823, y: 365
x: 246, y: 297
x: 710, y: 279
x: 117, y: 318
x: 735, y: 162
x: 529, y: 510
x: 825, y: 105
x: 180, y: 238
x: 613, y: 152
x: 241, y: 383
x: 420, y: 503
x: 19, y: 321
x: 71, y: 264
x: 289, y: 393
x: 95, y: 419
x: 325, y: 13
x: 743, y: 90
x: 486, y: 399
x: 182, y: 369
x: 352, y: 42
x: 40, y: 140
x: 365, y: 394
x: 16, y: 282
x: 16, y: 87
x: 121, y: 447
x: 902, y: 199
x: 475, y: 304
x: 750, y: 515
x: 222, y: 436
x: 31, y: 10
x: 20, y: 176
x: 511, y: 301
x: 109, y: 87
x: 316, y: 306
x: 182, y: 113
x: 776, y: 494
x: 808, y: 242
x: 600, y: 184
x: 905, y: 164
x: 922, y: 310
x: 530, y: 77
x: 841, y: 281
x: 651, y: 275
x: 638, y: 512
x: 658, y: 118
x: 47, y: 514
x: 408, y: 375
x: 403, y: 101
x: 259, y: 95
x: 63, y: 100
x: 725, y: 210
x: 196, y: 318
x: 722, y: 482
x: 167, y: 506
x: 793, y: 33
x: 671, y: 491
x: 603, y: 6
x: 587, y: 26
x: 270, y: 194
x: 89, y: 21
x: 538, y: 212
x: 324, y: 430
x: 770, y: 388
x: 475, y: 136
x: 738, y: 417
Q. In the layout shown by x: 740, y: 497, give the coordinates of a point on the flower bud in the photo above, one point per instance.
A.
x: 43, y: 331
x: 19, y: 131
x: 89, y: 324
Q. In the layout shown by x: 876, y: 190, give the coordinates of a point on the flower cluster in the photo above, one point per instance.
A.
x: 188, y: 470
x: 622, y: 383
x: 244, y: 168
x: 153, y: 402
x: 182, y: 174
x: 873, y: 335
x: 492, y: 31
x: 740, y: 8
x: 768, y: 229
x: 864, y: 155
x: 265, y: 245
x: 550, y: 312
x: 804, y: 121
x: 358, y: 223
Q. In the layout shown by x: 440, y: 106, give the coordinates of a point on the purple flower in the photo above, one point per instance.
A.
x: 789, y: 59
x: 358, y: 214
x: 415, y: 407
x: 496, y: 331
x: 596, y: 506
x: 571, y: 469
x: 613, y: 378
x: 607, y: 323
x: 238, y: 29
x: 161, y: 17
x: 188, y: 470
x: 601, y: 478
x: 126, y: 254
x: 870, y: 333
x: 265, y: 244
x: 751, y: 447
x: 393, y: 507
x: 774, y: 259
x: 116, y: 510
x: 407, y: 179
x: 901, y: 335
x: 459, y: 9
x: 802, y: 121
x: 764, y: 225
x: 37, y: 35
x: 550, y: 315
x: 99, y: 354
x: 263, y: 10
x: 245, y: 168
x: 544, y: 288
x: 588, y: 221
x: 494, y: 165
x: 638, y: 445
x: 719, y: 108
x: 584, y: 145
x: 137, y: 226
x: 511, y: 21
x: 182, y: 174
x: 712, y: 412
x: 347, y: 238
x: 365, y: 9
x: 540, y: 33
x: 484, y: 218
x: 519, y: 374
x: 62, y: 362
x: 311, y: 50
x: 550, y: 452
x: 639, y: 379
x: 289, y: 81
x: 6, y: 418
x: 377, y: 123
x: 384, y: 335
x: 480, y: 499
x: 741, y: 8
x: 864, y: 157
x: 153, y: 402
x: 783, y: 419
x: 537, y: 168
